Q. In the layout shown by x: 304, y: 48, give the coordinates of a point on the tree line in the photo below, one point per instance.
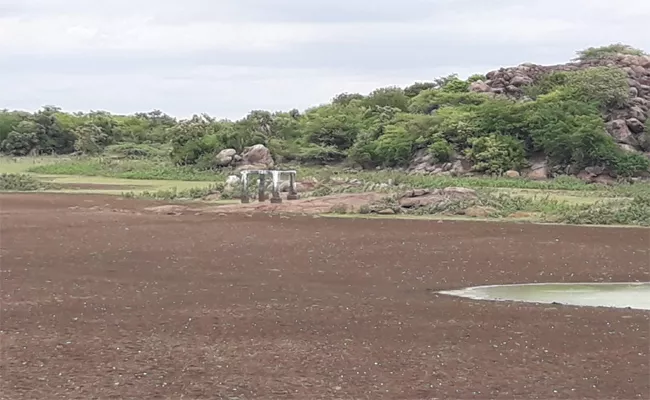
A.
x: 561, y: 118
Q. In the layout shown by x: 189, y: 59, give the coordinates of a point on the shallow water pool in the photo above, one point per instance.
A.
x: 618, y: 295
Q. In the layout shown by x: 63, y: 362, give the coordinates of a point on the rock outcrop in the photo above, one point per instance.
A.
x: 253, y: 157
x: 625, y: 125
x: 423, y: 163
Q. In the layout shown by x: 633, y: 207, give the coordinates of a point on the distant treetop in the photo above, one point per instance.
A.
x: 598, y: 53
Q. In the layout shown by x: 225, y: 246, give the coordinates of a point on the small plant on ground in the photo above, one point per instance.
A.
x: 22, y: 182
x: 175, y: 194
x: 339, y: 209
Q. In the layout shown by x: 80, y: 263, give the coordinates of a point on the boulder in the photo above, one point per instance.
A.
x: 644, y: 141
x: 635, y: 125
x: 638, y: 113
x: 621, y: 133
x: 512, y: 174
x: 628, y: 148
x: 460, y: 167
x: 595, y: 170
x: 231, y: 182
x: 225, y: 157
x: 256, y: 157
x: 480, y: 87
x: 539, y: 170
x: 604, y: 180
x: 521, y: 80
x: 300, y: 186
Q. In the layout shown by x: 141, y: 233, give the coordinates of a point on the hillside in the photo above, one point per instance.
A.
x: 588, y: 117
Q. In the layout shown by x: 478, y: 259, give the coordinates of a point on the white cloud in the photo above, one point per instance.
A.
x: 226, y: 57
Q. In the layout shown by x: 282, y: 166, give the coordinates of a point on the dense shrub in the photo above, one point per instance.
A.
x: 428, y: 101
x: 441, y: 150
x: 495, y: 154
x: 628, y: 164
x: 634, y: 212
x: 607, y: 87
x: 315, y: 154
x: 134, y: 150
x: 22, y: 182
x: 599, y: 53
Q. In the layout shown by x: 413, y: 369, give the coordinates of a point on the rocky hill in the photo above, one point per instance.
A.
x: 626, y: 124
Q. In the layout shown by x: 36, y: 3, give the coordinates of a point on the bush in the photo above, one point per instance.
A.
x: 634, y: 212
x: 332, y: 126
x: 546, y: 84
x: 339, y: 209
x: 629, y: 164
x: 441, y: 150
x: 22, y: 182
x: 90, y: 139
x: 175, y: 194
x: 315, y: 154
x: 137, y: 151
x: 457, y: 125
x: 430, y: 100
x: 496, y: 154
x: 569, y: 132
x: 394, y: 148
x: 388, y: 97
x: 599, y: 53
x: 605, y: 86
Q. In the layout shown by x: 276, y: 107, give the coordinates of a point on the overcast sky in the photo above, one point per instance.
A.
x: 226, y: 57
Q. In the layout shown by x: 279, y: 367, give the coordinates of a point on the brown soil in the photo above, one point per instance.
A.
x: 103, y: 301
x: 310, y: 205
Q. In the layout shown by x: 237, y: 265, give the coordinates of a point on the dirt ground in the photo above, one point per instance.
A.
x: 100, y: 300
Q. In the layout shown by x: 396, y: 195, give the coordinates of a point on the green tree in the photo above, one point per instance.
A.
x: 605, y: 86
x: 388, y: 97
x: 344, y: 99
x: 416, y: 88
x: 91, y: 139
x: 496, y: 154
x: 602, y: 52
x: 333, y: 126
x: 569, y: 131
x: 9, y: 120
x: 431, y: 100
x: 23, y: 139
x: 53, y: 138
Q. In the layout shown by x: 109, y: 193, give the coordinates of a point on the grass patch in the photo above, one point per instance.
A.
x: 174, y: 193
x: 22, y: 183
x: 14, y: 165
x: 633, y: 212
x: 126, y: 169
x: 498, y: 205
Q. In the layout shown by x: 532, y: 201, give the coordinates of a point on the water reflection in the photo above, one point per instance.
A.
x: 618, y: 295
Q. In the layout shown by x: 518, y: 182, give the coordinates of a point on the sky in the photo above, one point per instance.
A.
x: 227, y: 57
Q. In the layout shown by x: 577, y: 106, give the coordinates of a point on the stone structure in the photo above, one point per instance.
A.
x: 275, y: 191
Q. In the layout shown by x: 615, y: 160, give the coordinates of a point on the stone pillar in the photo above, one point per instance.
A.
x: 244, y: 193
x: 293, y: 194
x: 275, y: 198
x: 260, y: 191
